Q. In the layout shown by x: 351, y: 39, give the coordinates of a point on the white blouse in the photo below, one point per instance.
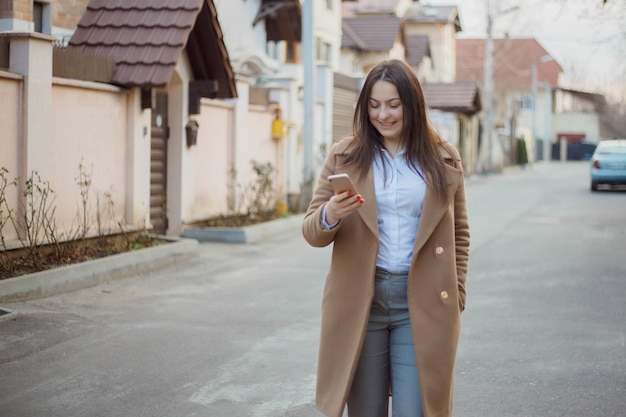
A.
x: 400, y: 193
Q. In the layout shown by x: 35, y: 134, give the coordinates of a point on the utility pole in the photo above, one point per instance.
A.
x: 533, y: 78
x: 488, y: 97
x: 309, y: 100
x: 487, y: 142
x: 548, y: 96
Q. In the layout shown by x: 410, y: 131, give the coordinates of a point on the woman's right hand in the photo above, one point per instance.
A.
x: 341, y: 205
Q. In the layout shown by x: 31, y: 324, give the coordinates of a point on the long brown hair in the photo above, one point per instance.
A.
x: 418, y: 136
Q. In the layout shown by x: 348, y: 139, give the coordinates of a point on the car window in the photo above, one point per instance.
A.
x: 612, y: 150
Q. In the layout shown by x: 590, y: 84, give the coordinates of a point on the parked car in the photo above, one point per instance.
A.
x: 608, y: 164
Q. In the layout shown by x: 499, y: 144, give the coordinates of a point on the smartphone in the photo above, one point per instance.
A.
x: 341, y: 183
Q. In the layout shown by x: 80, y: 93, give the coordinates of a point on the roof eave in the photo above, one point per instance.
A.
x: 207, y: 53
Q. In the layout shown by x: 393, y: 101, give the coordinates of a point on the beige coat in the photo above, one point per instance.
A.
x: 436, y: 288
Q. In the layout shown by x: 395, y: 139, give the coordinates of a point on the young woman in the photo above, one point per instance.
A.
x: 393, y: 297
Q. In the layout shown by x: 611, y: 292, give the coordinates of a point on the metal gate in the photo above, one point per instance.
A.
x: 345, y: 95
x: 158, y: 165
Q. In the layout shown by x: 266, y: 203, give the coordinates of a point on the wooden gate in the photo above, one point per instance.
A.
x: 158, y: 165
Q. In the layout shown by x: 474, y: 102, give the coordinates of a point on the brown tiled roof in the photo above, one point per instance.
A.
x: 146, y: 39
x: 418, y: 46
x: 433, y: 14
x: 459, y: 97
x: 513, y: 59
x: 370, y: 32
x: 371, y: 6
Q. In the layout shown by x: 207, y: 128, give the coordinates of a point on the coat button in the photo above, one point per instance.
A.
x: 444, y: 295
x: 439, y: 250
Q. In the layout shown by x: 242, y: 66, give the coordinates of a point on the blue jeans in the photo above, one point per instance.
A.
x: 387, y: 356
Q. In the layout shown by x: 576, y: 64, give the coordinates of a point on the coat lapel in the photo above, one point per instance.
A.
x: 365, y: 187
x: 435, y: 207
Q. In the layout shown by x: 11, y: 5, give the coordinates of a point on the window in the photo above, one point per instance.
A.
x: 323, y: 51
x: 38, y: 16
x: 42, y: 17
x: 527, y: 102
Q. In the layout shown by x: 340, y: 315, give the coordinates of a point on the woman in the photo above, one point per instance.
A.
x: 396, y: 287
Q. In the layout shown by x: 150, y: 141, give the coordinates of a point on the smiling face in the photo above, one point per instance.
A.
x: 385, y: 111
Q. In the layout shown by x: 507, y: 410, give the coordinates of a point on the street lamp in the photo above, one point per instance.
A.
x: 488, y: 86
x: 547, y: 154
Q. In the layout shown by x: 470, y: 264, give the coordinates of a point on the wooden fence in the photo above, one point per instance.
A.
x: 76, y: 64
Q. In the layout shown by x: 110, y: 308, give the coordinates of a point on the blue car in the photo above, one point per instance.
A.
x: 608, y: 164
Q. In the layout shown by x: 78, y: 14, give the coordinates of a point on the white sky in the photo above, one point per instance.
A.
x: 586, y: 38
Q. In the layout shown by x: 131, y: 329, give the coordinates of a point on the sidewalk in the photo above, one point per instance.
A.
x: 85, y: 274
x: 90, y: 273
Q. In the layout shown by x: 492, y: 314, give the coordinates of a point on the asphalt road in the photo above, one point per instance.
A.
x: 233, y: 332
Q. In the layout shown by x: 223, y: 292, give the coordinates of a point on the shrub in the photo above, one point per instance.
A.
x: 522, y: 153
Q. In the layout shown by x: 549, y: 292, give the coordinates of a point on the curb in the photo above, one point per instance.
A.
x: 246, y: 234
x: 85, y: 274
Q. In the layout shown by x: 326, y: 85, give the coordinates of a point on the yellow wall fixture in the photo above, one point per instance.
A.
x: 279, y: 128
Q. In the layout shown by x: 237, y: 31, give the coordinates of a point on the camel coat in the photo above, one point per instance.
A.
x: 436, y: 286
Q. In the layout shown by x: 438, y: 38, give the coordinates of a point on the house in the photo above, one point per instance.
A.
x: 372, y: 31
x: 149, y: 46
x: 439, y: 24
x: 368, y: 39
x: 529, y: 102
x: 584, y: 117
x: 183, y: 102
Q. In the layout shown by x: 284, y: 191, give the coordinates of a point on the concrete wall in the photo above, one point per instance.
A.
x: 211, y: 162
x: 88, y: 128
x: 10, y: 122
x: 53, y: 126
x: 72, y: 128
